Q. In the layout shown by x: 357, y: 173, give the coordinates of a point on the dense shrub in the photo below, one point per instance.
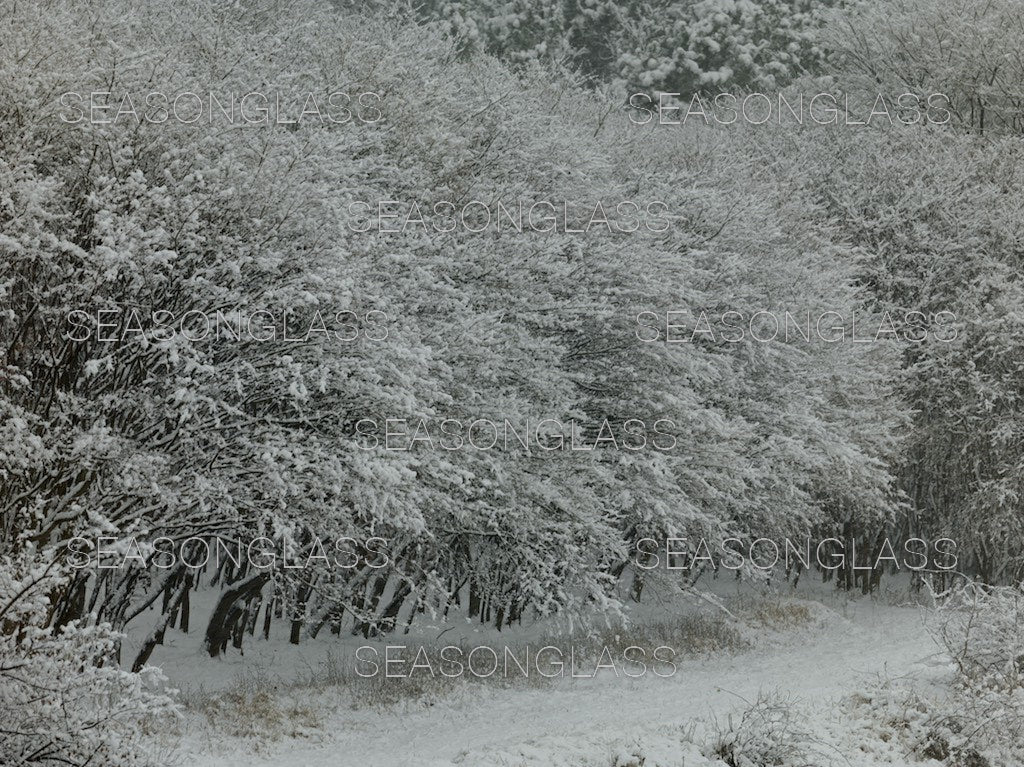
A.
x: 968, y: 50
x: 153, y: 436
x: 936, y: 215
x: 680, y: 46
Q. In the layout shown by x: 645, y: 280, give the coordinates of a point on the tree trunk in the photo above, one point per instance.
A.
x: 218, y: 632
x: 156, y: 635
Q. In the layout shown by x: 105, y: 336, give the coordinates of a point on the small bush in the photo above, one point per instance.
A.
x: 983, y: 632
x: 767, y: 733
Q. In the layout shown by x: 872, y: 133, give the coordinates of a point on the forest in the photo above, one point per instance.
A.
x: 505, y: 416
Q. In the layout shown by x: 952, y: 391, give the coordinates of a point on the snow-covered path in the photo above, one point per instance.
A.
x: 579, y: 720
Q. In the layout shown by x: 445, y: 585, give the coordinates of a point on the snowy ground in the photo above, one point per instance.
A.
x: 617, y: 722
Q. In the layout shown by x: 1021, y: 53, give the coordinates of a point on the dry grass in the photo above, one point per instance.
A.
x: 257, y: 706
x: 774, y: 612
x: 261, y: 705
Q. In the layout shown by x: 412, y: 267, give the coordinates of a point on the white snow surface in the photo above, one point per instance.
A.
x: 610, y: 721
